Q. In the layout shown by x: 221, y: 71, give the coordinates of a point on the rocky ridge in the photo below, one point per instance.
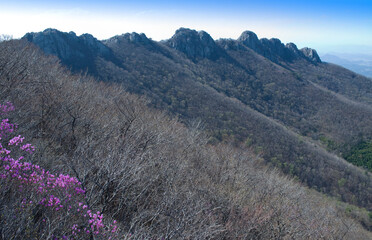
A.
x: 194, y: 44
x: 275, y: 50
x: 129, y: 37
x: 73, y: 50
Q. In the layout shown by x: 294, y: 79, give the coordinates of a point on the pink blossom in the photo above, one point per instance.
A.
x: 40, y: 187
x: 16, y: 140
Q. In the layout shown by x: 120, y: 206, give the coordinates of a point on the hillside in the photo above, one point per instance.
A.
x: 145, y: 170
x: 302, y: 115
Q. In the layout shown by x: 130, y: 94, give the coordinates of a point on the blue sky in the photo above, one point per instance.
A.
x: 328, y: 25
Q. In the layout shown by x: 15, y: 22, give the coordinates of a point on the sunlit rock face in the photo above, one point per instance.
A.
x: 194, y: 44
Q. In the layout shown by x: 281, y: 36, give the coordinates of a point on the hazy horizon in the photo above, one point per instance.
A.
x: 331, y: 26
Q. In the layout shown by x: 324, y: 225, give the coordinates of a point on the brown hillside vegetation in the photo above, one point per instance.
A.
x: 302, y: 114
x: 157, y: 178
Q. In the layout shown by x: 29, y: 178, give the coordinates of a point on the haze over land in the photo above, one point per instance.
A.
x: 359, y: 63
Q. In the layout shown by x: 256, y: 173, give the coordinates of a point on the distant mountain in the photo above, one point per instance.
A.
x: 302, y: 114
x: 77, y: 52
x: 358, y: 63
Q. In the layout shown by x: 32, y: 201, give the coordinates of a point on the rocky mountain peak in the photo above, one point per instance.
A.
x: 194, y: 44
x: 250, y: 40
x: 276, y: 42
x: 274, y: 49
x: 292, y: 47
x: 64, y: 44
x: 135, y: 37
x: 70, y: 48
x: 50, y: 40
x: 311, y: 54
x: 130, y: 38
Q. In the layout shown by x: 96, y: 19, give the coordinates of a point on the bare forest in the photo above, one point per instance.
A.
x: 150, y: 175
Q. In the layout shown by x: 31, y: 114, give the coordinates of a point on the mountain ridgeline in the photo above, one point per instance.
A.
x: 301, y: 114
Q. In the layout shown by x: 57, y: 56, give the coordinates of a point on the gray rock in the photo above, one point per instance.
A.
x: 250, y: 40
x: 274, y: 49
x: 230, y: 44
x: 311, y: 54
x: 130, y: 38
x: 292, y: 47
x: 64, y: 45
x: 69, y: 47
x: 194, y: 44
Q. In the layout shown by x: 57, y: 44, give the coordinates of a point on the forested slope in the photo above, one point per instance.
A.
x: 148, y: 172
x: 301, y: 114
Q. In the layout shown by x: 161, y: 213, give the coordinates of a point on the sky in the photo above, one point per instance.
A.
x: 326, y: 25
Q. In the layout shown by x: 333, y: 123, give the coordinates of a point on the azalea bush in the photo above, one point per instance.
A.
x: 36, y: 203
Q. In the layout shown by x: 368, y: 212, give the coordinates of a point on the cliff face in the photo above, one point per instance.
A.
x: 275, y: 50
x: 78, y: 52
x: 194, y: 44
x: 197, y: 45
